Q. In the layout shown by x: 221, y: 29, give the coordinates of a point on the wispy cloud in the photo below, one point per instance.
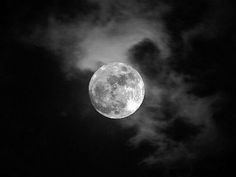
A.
x: 172, y: 120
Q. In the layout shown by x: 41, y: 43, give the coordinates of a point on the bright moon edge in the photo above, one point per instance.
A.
x: 114, y: 68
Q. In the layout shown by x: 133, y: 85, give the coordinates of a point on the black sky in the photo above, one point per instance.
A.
x: 44, y: 130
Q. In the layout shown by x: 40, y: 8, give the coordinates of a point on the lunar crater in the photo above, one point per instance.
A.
x: 115, y: 90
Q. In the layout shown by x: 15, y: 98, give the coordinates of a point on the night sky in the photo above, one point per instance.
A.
x: 184, y: 50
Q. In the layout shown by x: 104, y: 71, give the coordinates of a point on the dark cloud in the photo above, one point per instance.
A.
x: 172, y: 117
x: 183, y: 51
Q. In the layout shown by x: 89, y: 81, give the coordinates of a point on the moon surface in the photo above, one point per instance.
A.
x: 116, y: 90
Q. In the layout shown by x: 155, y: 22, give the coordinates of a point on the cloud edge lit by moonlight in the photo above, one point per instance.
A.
x: 85, y: 46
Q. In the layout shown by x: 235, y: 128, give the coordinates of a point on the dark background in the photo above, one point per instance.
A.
x: 42, y: 132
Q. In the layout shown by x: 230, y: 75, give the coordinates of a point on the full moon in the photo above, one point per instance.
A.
x: 116, y: 90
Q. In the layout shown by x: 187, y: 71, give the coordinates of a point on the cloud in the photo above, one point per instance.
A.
x: 169, y: 106
x: 86, y: 46
x: 105, y: 36
x: 172, y: 121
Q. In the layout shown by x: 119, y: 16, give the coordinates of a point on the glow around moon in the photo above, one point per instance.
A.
x: 116, y: 90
